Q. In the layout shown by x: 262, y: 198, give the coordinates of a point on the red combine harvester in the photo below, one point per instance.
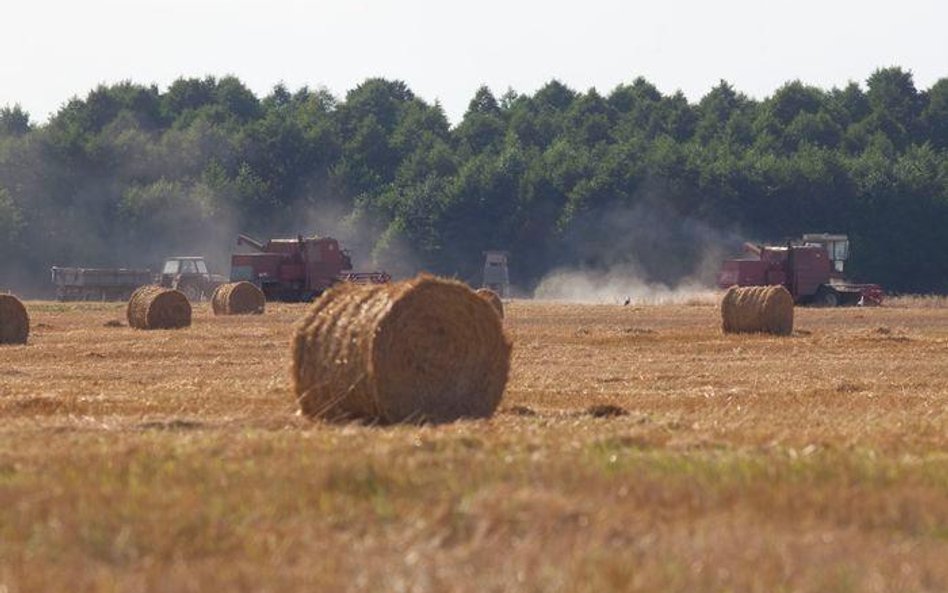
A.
x: 297, y: 269
x: 811, y: 269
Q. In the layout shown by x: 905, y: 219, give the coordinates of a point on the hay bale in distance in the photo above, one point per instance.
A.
x: 757, y: 309
x: 422, y: 350
x: 238, y: 298
x: 155, y: 307
x: 14, y: 320
x: 493, y: 298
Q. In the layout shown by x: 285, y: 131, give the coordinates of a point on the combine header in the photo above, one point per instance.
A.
x: 297, y: 269
x: 811, y: 269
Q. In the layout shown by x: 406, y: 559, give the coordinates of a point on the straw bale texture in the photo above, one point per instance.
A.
x: 423, y: 350
x: 14, y: 321
x: 757, y: 309
x: 238, y: 298
x: 155, y: 307
x: 493, y: 298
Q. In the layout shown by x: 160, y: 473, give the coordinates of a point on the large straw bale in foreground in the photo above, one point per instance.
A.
x: 426, y: 349
x: 14, y: 321
x: 238, y: 298
x: 155, y: 307
x: 757, y: 309
x: 493, y: 298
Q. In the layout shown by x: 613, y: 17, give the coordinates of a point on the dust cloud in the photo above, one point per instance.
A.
x: 619, y: 286
x: 645, y: 254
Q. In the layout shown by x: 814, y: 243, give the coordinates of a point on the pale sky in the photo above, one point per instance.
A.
x: 53, y: 50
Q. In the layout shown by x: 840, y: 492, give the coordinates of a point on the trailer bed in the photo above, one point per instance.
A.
x: 98, y: 284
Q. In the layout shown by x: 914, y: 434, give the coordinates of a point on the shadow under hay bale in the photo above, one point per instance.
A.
x: 175, y: 424
x: 493, y: 298
x: 238, y: 298
x: 521, y: 411
x: 757, y: 309
x: 423, y: 350
x: 155, y: 307
x: 14, y: 320
x: 606, y: 411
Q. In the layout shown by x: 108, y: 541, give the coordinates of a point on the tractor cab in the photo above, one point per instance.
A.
x: 189, y: 275
x: 189, y: 266
x: 837, y: 246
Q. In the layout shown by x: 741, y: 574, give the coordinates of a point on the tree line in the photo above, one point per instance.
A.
x: 560, y: 178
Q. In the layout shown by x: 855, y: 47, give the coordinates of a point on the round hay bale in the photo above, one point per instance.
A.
x: 757, y: 309
x: 493, y: 298
x: 422, y: 350
x: 14, y: 320
x: 238, y: 298
x: 155, y: 307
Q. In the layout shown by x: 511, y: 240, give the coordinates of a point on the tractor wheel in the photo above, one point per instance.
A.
x: 191, y: 291
x: 827, y: 297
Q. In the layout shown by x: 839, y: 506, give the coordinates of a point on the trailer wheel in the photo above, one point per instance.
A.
x: 192, y: 292
x: 827, y: 297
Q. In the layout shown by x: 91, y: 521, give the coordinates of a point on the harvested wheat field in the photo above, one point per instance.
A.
x: 635, y: 449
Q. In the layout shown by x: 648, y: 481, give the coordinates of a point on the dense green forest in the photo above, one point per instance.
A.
x: 561, y: 179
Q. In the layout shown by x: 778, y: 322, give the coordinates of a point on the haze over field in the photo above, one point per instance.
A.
x: 632, y: 145
x: 445, y: 51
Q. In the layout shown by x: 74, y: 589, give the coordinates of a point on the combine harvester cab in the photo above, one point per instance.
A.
x: 297, y: 269
x: 811, y: 269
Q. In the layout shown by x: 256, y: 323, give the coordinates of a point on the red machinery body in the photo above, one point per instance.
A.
x: 811, y: 271
x: 297, y: 269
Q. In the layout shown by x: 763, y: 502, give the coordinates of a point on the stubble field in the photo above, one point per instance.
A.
x: 637, y: 449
